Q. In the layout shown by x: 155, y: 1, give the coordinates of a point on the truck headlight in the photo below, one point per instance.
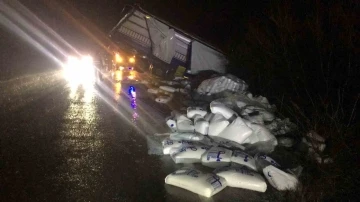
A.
x: 79, y: 70
x: 132, y: 60
x: 118, y: 58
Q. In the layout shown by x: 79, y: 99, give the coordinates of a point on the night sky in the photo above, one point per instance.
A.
x: 214, y: 21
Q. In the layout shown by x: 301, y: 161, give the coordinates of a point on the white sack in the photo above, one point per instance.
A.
x: 168, y: 88
x: 163, y: 99
x: 243, y: 158
x: 171, y: 123
x: 209, y: 116
x: 186, y: 136
x: 241, y: 177
x: 201, y: 126
x: 169, y: 144
x: 153, y: 91
x: 192, y: 111
x: 184, y: 124
x: 193, y: 180
x: 263, y: 161
x: 217, y: 126
x: 237, y: 131
x: 216, y: 157
x: 279, y: 179
x: 219, y: 108
x: 188, y: 154
x: 260, y: 134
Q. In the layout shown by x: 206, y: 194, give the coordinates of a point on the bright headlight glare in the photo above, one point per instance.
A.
x: 118, y: 58
x: 79, y: 70
x: 132, y: 60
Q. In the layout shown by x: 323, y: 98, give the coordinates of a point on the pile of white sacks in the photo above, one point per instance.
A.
x: 217, y: 139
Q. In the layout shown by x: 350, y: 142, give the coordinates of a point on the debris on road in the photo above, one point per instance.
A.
x: 227, y: 128
x: 205, y: 184
x: 242, y: 177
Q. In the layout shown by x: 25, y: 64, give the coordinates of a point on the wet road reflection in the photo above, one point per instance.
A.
x: 81, y: 142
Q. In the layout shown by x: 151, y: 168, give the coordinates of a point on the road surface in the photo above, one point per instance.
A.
x: 72, y: 143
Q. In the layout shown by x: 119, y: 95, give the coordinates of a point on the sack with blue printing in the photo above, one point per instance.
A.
x: 193, y: 180
x: 243, y: 158
x: 242, y: 177
x: 216, y: 157
x: 169, y: 144
x: 262, y: 161
x: 188, y: 154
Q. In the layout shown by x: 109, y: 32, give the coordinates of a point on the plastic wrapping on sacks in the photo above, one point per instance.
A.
x: 237, y: 131
x: 216, y: 157
x: 192, y: 111
x: 219, y: 108
x: 201, y: 126
x: 222, y: 83
x: 186, y: 136
x: 171, y: 123
x: 168, y: 88
x: 243, y: 158
x: 193, y: 180
x: 169, y: 144
x: 217, y: 126
x: 188, y: 154
x: 279, y: 179
x: 242, y: 177
x: 184, y: 124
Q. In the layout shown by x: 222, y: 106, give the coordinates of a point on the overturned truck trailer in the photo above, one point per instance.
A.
x: 163, y: 48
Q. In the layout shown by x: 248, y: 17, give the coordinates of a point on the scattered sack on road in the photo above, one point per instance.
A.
x: 259, y: 134
x: 204, y: 184
x: 216, y: 157
x: 219, y: 108
x: 216, y: 126
x: 163, y: 99
x: 171, y: 123
x: 279, y: 179
x: 192, y: 111
x: 243, y: 158
x: 188, y: 154
x: 186, y: 136
x: 242, y: 177
x: 236, y: 131
x: 262, y: 161
x: 169, y: 144
x: 153, y: 91
x: 168, y: 89
x: 184, y: 124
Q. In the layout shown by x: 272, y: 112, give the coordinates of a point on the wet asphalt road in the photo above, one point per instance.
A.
x: 66, y: 143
